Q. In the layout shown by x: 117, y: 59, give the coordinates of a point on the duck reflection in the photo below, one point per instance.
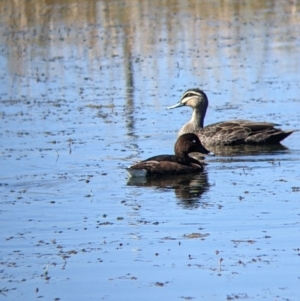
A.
x: 244, y: 150
x: 188, y: 188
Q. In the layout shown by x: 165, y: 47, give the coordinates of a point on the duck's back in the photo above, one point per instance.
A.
x: 237, y: 132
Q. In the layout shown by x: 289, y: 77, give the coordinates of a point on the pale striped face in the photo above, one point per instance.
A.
x: 194, y: 98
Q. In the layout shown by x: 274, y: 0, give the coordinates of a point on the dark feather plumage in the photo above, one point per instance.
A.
x: 180, y: 163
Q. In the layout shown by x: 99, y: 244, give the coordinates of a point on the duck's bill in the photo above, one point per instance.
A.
x: 206, y: 151
x: 177, y: 105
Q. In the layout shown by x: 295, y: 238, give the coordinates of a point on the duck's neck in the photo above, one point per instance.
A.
x: 183, y: 158
x: 198, y: 117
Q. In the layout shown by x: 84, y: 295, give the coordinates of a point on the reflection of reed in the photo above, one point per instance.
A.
x: 62, y: 49
x: 188, y: 188
x: 99, y: 26
x: 129, y: 76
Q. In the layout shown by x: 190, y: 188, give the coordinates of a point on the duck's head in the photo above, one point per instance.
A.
x: 194, y: 98
x: 189, y: 143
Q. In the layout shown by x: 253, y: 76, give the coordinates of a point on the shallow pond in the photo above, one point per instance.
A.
x: 84, y: 90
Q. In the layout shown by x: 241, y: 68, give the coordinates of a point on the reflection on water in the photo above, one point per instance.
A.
x: 246, y: 150
x: 48, y: 47
x: 187, y: 188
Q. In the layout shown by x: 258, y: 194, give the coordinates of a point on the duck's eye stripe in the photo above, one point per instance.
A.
x: 190, y: 95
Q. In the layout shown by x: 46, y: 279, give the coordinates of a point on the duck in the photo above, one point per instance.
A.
x: 178, y: 164
x: 231, y: 132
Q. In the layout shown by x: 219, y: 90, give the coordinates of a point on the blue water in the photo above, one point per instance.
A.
x: 84, y: 90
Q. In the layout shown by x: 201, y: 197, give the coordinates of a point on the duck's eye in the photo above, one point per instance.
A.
x: 189, y: 95
x: 194, y: 141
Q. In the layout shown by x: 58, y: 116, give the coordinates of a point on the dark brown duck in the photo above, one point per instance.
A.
x: 231, y: 132
x: 180, y: 163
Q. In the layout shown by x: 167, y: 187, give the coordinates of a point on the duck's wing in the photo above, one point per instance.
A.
x: 171, y: 168
x: 234, y: 132
x: 152, y: 166
x: 143, y: 168
x: 160, y: 158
